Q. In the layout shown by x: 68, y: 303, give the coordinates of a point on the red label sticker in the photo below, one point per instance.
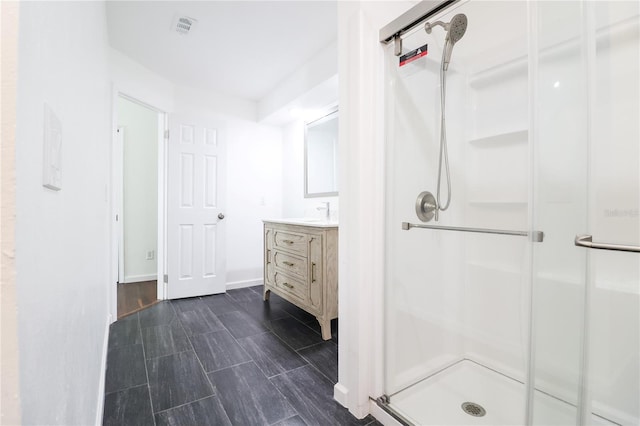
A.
x: 413, y: 55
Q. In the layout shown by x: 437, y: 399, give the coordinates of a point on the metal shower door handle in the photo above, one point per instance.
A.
x: 587, y: 241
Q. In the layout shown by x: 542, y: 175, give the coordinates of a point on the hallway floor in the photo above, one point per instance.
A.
x: 133, y: 297
x: 223, y: 360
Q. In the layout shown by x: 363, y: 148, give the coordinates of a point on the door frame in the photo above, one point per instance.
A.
x: 118, y: 182
x: 117, y: 186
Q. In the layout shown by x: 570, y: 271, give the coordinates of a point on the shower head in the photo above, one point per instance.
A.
x: 455, y: 30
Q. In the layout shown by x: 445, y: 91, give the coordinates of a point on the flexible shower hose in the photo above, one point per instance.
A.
x: 443, y: 138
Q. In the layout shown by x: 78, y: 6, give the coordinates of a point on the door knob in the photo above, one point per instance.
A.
x: 220, y: 216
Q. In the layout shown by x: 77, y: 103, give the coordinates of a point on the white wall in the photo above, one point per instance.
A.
x: 293, y: 202
x: 254, y: 181
x: 138, y: 82
x: 360, y: 66
x: 62, y: 238
x: 9, y: 353
x: 317, y: 72
x: 140, y: 181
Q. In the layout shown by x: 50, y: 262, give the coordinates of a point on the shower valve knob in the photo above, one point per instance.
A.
x: 426, y: 206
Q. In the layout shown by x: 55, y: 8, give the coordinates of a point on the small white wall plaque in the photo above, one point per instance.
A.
x: 52, y: 155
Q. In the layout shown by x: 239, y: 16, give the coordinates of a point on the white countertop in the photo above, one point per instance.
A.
x: 305, y: 221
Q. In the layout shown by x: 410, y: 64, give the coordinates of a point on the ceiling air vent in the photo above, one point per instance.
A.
x: 183, y: 24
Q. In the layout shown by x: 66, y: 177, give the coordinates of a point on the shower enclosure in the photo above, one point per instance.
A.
x: 528, y: 326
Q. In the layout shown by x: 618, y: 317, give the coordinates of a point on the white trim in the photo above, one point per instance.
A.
x: 361, y: 238
x: 341, y: 394
x: 118, y: 184
x: 381, y: 415
x: 103, y: 373
x: 243, y: 284
x: 113, y: 270
x: 139, y: 278
x: 161, y: 243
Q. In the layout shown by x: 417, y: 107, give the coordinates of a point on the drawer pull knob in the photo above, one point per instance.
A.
x: 287, y: 241
x: 288, y: 263
x: 287, y: 285
x: 313, y: 272
x: 268, y: 256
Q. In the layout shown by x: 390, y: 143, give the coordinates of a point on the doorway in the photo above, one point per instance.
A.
x: 138, y: 201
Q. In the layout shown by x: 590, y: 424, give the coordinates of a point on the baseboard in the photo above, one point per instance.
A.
x: 340, y: 394
x: 382, y: 416
x: 242, y: 284
x: 139, y: 278
x: 103, y: 374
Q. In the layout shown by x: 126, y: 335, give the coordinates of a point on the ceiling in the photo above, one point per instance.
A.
x: 237, y: 48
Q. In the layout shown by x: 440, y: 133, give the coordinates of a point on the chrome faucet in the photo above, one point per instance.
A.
x: 327, y: 208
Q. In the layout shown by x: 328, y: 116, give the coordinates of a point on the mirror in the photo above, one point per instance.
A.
x: 321, y: 156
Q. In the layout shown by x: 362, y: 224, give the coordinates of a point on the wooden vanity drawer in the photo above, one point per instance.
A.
x: 292, y: 242
x: 292, y: 286
x: 291, y: 264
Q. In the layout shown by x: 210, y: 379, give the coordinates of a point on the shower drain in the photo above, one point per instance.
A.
x: 473, y: 409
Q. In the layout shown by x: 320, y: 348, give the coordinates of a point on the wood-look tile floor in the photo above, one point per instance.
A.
x: 223, y: 360
x: 133, y: 297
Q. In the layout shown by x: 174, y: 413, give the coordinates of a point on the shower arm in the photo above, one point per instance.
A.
x: 428, y: 27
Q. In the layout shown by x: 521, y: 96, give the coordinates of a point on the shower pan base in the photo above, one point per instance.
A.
x: 437, y: 400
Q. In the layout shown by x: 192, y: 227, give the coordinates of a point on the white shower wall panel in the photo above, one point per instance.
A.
x: 454, y: 295
x: 500, y: 104
x: 496, y: 165
x: 425, y: 331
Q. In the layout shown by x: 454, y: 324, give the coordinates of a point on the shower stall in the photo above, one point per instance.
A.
x: 520, y: 304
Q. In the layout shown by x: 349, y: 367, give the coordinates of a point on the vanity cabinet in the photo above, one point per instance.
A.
x: 301, y: 266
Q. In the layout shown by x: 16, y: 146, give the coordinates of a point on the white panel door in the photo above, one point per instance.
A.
x: 195, y: 186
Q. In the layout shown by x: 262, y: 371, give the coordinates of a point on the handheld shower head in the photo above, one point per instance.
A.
x: 455, y: 30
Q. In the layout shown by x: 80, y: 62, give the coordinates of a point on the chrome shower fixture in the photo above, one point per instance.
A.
x: 455, y: 30
x: 427, y: 206
x: 428, y: 27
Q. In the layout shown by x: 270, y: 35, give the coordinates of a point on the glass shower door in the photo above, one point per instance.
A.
x: 457, y: 303
x: 543, y: 108
x: 586, y: 326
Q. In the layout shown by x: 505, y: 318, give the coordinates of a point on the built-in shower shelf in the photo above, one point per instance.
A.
x: 500, y: 139
x: 498, y: 203
x: 498, y: 73
x: 557, y: 278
